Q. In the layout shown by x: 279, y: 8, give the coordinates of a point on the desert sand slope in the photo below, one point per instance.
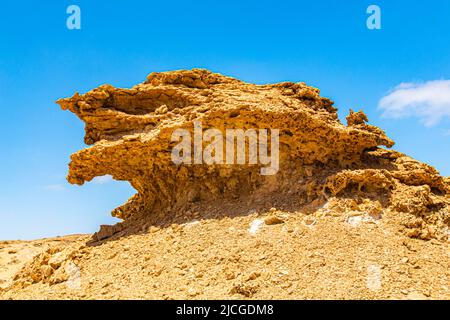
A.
x: 15, y: 254
x: 320, y: 256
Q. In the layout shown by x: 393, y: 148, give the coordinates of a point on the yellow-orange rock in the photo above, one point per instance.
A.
x: 320, y: 158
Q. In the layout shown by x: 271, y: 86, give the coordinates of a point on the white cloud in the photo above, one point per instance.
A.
x: 103, y: 179
x: 429, y: 101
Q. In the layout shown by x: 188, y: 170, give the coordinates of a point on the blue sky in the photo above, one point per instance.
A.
x: 323, y: 43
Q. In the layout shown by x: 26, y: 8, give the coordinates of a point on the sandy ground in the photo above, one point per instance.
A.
x: 15, y: 254
x: 254, y: 256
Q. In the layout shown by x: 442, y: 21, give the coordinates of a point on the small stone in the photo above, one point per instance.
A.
x: 416, y: 296
x: 273, y: 219
x: 59, y: 276
x: 112, y: 255
x: 46, y: 271
x: 57, y: 259
x: 309, y: 221
x: 230, y: 275
x: 153, y: 229
x: 254, y: 275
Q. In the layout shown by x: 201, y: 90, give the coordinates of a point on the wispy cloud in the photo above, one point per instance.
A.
x: 103, y: 179
x: 429, y: 101
x: 63, y: 187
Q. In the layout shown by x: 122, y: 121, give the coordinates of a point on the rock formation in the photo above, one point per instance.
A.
x: 322, y: 161
x: 344, y: 217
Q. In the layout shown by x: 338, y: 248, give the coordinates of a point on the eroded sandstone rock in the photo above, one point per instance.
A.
x: 129, y: 131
